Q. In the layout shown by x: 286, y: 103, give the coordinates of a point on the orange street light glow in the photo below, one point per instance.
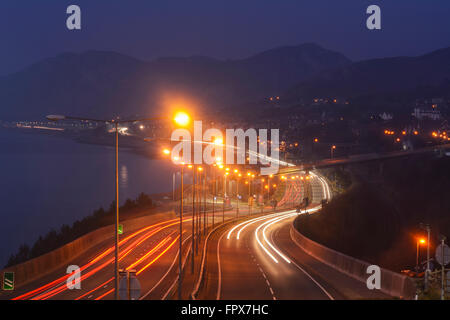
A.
x: 166, y: 151
x: 218, y: 141
x: 181, y: 119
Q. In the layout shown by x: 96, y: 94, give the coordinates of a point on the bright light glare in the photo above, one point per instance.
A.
x: 182, y: 119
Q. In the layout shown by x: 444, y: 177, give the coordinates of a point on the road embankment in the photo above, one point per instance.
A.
x: 41, y: 266
x: 393, y: 284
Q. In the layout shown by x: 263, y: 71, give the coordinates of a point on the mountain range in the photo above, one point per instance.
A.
x: 105, y: 84
x: 102, y: 84
x: 380, y: 76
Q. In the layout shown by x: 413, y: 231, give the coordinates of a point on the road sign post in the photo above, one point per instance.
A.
x: 129, y: 286
x: 443, y: 258
x: 8, y: 281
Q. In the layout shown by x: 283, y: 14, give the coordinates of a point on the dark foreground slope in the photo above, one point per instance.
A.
x: 377, y: 220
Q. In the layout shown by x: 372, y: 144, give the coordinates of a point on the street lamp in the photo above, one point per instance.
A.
x: 237, y: 194
x: 224, y: 194
x: 428, y: 229
x: 419, y: 242
x: 180, y: 118
x: 333, y: 147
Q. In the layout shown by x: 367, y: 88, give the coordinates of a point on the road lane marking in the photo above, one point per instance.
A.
x: 219, y: 269
x: 166, y: 274
x: 312, y: 279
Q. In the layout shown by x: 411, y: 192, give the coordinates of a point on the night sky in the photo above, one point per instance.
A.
x: 32, y: 30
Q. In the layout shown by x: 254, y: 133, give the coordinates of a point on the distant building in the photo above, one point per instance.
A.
x: 386, y: 116
x: 422, y: 113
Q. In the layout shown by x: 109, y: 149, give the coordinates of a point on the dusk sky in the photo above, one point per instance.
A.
x: 33, y: 30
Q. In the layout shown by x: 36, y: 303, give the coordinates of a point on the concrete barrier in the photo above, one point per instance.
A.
x: 393, y: 284
x: 41, y: 266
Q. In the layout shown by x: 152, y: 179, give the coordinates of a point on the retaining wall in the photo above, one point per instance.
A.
x: 47, y: 263
x: 393, y: 284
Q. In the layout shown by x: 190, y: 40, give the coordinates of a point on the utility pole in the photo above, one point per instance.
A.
x: 214, y: 196
x: 205, y: 224
x: 443, y: 268
x: 180, y: 280
x: 193, y: 240
x: 173, y: 186
x: 237, y: 197
x: 427, y: 273
x: 116, y: 252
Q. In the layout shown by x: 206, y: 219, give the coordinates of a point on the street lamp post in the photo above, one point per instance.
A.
x: 205, y: 217
x: 223, y: 209
x: 198, y: 214
x: 237, y: 195
x: 427, y: 273
x: 116, y: 220
x: 180, y: 118
x: 333, y: 147
x: 180, y: 280
x: 428, y: 229
x: 214, y: 194
x: 193, y: 220
x: 419, y: 242
x: 173, y: 186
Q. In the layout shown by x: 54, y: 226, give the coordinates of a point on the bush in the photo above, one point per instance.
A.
x: 99, y: 218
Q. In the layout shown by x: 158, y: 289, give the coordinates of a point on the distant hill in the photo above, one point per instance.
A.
x: 101, y: 84
x: 387, y: 75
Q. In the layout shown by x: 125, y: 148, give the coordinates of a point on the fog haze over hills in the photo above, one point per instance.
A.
x: 104, y: 84
x: 101, y: 84
x: 378, y: 76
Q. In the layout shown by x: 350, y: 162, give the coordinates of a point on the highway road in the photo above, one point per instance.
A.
x: 250, y: 258
x: 256, y: 259
x: 152, y: 251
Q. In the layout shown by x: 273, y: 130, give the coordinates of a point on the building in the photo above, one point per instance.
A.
x: 426, y: 113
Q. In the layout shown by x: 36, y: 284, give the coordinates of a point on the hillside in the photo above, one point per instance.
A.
x: 378, y: 218
x: 101, y: 84
x: 377, y: 76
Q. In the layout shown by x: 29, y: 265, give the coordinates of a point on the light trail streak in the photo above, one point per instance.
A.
x: 105, y: 294
x: 154, y: 260
x: 268, y: 224
x: 59, y: 284
x: 149, y: 253
x: 95, y: 289
x: 153, y: 250
x: 245, y: 222
x: 252, y: 222
x: 94, y: 260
